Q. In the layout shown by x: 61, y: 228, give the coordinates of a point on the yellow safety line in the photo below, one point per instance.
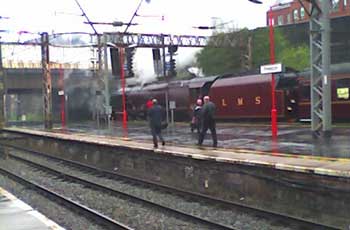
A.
x: 287, y: 155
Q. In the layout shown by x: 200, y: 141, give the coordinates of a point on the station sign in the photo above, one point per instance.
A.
x: 272, y: 68
x: 172, y: 105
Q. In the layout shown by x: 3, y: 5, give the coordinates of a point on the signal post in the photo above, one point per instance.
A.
x: 272, y: 69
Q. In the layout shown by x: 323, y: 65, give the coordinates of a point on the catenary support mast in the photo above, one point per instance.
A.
x: 47, y: 86
x: 321, y: 111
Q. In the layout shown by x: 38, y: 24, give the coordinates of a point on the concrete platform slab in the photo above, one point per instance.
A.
x: 339, y: 167
x: 16, y: 215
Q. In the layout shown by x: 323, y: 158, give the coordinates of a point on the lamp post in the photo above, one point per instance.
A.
x: 122, y: 78
x: 122, y: 74
x: 121, y: 51
x: 272, y: 61
x: 62, y: 95
x: 2, y: 91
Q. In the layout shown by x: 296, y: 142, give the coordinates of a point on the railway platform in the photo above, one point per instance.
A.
x: 295, y: 150
x: 17, y: 215
x: 293, y: 138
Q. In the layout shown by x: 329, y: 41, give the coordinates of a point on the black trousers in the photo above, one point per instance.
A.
x: 156, y: 132
x: 211, y: 125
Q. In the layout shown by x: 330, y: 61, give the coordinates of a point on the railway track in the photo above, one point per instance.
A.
x: 60, y: 176
x: 96, y: 217
x: 144, y: 189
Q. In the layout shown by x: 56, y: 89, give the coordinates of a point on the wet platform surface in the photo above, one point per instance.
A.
x: 16, y: 215
x: 179, y: 144
x: 326, y: 172
x: 293, y: 138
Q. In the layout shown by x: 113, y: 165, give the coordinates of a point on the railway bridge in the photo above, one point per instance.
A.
x: 24, y: 92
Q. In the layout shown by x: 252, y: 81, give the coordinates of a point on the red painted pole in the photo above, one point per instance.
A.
x: 61, y: 88
x: 272, y: 61
x: 122, y: 78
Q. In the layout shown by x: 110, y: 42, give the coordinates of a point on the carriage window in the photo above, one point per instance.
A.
x: 343, y: 93
x: 342, y: 87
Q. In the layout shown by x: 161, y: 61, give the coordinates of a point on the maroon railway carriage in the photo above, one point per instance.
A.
x: 249, y: 97
x: 241, y: 97
x: 340, y: 91
x: 198, y: 88
x: 136, y: 98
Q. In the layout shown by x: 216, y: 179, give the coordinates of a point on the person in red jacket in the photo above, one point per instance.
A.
x: 149, y: 104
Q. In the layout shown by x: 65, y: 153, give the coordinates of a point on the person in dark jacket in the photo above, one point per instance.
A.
x: 196, y: 122
x: 208, y: 121
x: 155, y: 115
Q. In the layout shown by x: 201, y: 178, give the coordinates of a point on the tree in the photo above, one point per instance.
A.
x: 230, y: 59
x: 218, y: 60
x: 296, y: 57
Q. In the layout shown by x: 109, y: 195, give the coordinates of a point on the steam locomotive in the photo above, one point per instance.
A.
x: 239, y: 97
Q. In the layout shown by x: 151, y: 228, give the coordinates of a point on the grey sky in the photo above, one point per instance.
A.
x: 179, y: 17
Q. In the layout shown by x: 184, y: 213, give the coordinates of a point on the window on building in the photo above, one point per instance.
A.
x: 345, y: 3
x: 289, y: 19
x: 335, y: 5
x: 280, y: 20
x: 295, y: 15
x: 302, y: 13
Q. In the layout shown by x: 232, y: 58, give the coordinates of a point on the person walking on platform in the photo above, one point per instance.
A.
x: 196, y: 122
x: 149, y: 103
x: 155, y: 115
x: 208, y: 121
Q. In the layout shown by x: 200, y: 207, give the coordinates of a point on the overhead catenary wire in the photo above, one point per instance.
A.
x: 87, y: 18
x: 134, y: 14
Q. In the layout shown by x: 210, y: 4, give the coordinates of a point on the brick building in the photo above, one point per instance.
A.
x: 291, y: 18
x: 286, y: 12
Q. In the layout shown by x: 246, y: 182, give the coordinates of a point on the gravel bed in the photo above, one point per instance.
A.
x: 126, y: 211
x: 60, y: 214
x: 230, y: 217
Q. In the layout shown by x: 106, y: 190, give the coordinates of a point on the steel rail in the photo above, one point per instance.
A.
x: 258, y: 211
x: 98, y: 217
x: 114, y: 192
